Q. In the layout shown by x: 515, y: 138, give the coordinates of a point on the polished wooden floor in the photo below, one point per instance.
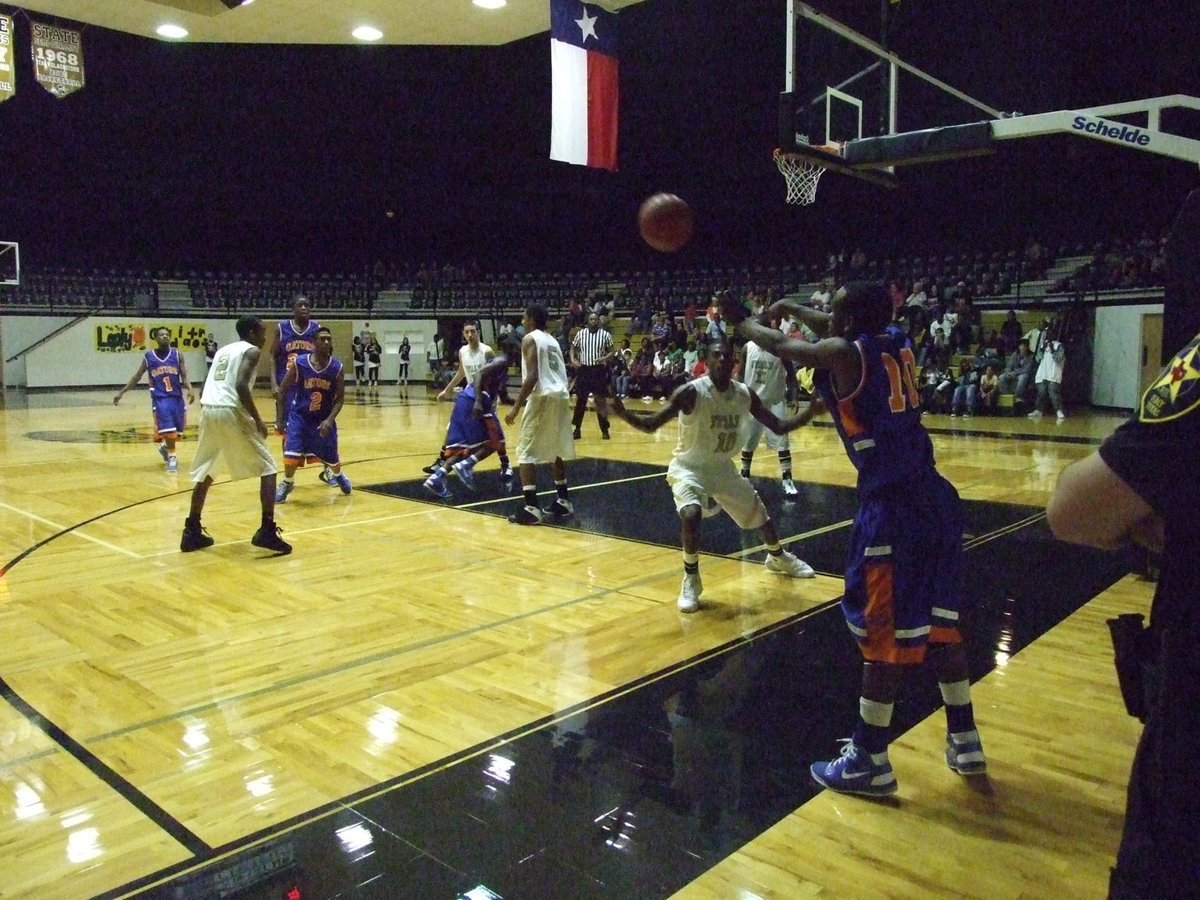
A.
x: 234, y: 692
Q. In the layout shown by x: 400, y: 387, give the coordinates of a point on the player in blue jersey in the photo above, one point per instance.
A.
x: 168, y: 383
x: 903, y: 578
x: 306, y: 408
x: 474, y: 433
x: 291, y: 338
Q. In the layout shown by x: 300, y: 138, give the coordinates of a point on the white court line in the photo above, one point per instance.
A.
x: 742, y: 554
x: 75, y: 531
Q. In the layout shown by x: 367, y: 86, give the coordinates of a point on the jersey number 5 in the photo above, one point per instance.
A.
x: 903, y: 379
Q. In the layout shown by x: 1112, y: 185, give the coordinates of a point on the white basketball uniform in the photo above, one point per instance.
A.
x: 546, y: 429
x: 702, y: 468
x: 766, y: 375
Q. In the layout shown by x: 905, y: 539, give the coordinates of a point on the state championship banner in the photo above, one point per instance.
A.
x: 57, y: 59
x: 583, y: 63
x: 135, y: 337
x: 8, y: 69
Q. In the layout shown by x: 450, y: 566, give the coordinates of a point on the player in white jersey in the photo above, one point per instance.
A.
x: 473, y: 355
x: 702, y: 475
x: 230, y: 426
x: 771, y: 378
x: 546, y: 426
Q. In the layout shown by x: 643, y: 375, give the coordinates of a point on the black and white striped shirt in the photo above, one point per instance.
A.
x: 592, y: 346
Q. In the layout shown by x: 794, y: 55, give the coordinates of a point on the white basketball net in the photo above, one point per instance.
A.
x: 801, y: 176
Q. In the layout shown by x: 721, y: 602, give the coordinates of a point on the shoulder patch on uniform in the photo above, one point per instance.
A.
x: 1176, y: 391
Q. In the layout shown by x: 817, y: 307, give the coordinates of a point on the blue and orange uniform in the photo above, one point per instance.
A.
x: 291, y: 343
x: 904, y: 575
x: 166, y: 394
x: 466, y: 434
x: 310, y: 403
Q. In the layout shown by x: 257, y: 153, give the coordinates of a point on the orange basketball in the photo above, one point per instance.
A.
x: 665, y: 222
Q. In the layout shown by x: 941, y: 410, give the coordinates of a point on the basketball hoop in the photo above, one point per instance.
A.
x: 801, y: 175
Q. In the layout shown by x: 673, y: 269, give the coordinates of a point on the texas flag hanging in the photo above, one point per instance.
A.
x: 583, y: 61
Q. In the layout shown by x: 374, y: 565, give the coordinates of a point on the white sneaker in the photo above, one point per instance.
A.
x: 689, y: 593
x: 789, y: 488
x: 1036, y: 414
x: 1061, y: 415
x: 789, y: 564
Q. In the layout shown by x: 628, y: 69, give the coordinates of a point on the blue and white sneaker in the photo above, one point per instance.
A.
x: 172, y: 463
x: 464, y: 473
x: 282, y: 490
x: 436, y: 485
x: 964, y: 753
x: 341, y: 481
x: 856, y: 772
x: 326, y: 475
x: 162, y: 451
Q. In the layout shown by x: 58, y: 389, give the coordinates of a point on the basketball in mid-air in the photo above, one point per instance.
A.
x: 665, y: 222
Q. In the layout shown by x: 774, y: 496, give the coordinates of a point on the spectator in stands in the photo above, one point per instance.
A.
x: 1049, y: 375
x: 602, y: 306
x: 641, y: 372
x: 965, y: 400
x: 210, y: 350
x: 897, y: 294
x: 936, y: 384
x: 660, y: 328
x: 574, y: 317
x: 1010, y: 332
x: 939, y: 332
x: 1018, y: 374
x: 989, y: 390
x: 642, y: 318
x: 1034, y: 337
x: 716, y: 326
x: 918, y: 297
x: 822, y: 296
x: 622, y: 359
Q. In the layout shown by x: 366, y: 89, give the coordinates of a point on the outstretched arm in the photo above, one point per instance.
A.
x: 137, y: 376
x: 791, y: 423
x: 683, y: 400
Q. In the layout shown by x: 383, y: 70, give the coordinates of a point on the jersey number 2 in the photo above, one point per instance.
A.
x: 903, y: 379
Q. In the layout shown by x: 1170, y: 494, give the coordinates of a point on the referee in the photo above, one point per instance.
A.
x: 591, y: 352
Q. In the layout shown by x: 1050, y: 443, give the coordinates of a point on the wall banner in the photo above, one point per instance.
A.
x: 8, y: 67
x: 135, y: 337
x: 57, y: 59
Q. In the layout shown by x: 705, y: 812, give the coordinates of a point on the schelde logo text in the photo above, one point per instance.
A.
x: 1114, y: 132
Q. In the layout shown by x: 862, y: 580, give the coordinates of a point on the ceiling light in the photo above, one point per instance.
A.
x: 367, y: 33
x: 171, y: 31
x: 490, y: 4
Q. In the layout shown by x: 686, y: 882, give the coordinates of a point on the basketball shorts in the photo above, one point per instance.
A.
x: 720, y: 483
x: 229, y: 432
x: 170, y: 416
x: 303, y: 441
x: 752, y: 430
x: 904, y: 575
x: 468, y: 433
x: 546, y: 430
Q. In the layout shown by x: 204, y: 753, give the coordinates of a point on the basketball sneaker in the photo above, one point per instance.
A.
x: 561, y: 507
x: 506, y: 476
x: 856, y: 772
x: 789, y: 489
x: 431, y: 468
x: 964, y: 753
x: 283, y: 489
x: 436, y: 485
x: 789, y: 564
x: 172, y: 463
x: 526, y: 515
x: 326, y: 475
x: 162, y: 451
x: 341, y: 481
x: 463, y: 470
x: 268, y: 538
x: 689, y: 592
x: 194, y: 538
